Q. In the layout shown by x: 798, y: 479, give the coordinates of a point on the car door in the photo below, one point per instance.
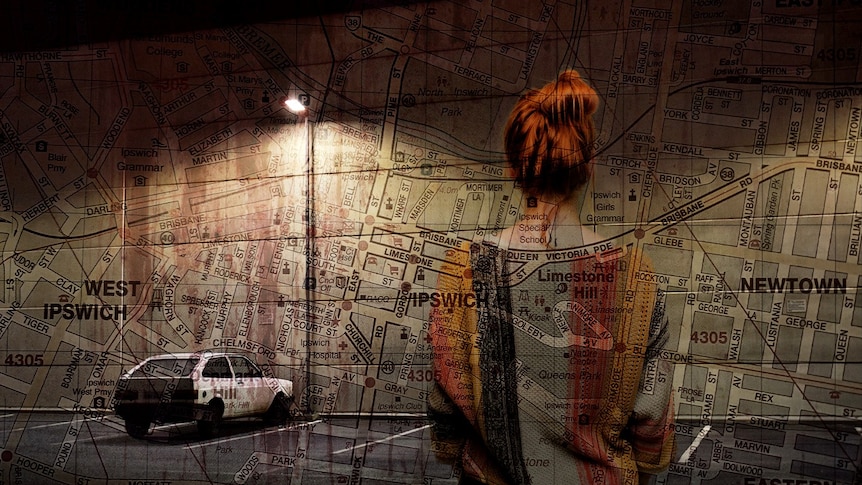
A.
x: 217, y: 380
x: 253, y: 395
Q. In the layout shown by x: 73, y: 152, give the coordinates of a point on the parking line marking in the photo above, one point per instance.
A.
x: 694, y: 444
x: 219, y: 441
x: 25, y: 428
x: 384, y: 440
x: 61, y: 423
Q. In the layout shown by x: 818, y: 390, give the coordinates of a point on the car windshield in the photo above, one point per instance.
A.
x: 167, y: 366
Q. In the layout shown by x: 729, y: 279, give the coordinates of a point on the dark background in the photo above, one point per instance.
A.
x: 44, y: 24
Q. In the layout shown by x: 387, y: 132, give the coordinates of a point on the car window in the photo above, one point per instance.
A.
x: 168, y: 366
x: 217, y: 367
x: 244, y: 368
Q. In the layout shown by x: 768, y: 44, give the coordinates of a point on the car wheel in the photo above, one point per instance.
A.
x: 279, y: 411
x: 137, y: 428
x: 208, y: 426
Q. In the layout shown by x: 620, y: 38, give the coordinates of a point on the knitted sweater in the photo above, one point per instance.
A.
x: 550, y: 371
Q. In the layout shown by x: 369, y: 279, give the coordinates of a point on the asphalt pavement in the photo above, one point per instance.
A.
x: 85, y: 449
x: 70, y: 448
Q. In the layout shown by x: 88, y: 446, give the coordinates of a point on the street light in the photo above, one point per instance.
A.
x: 297, y: 106
x: 294, y: 105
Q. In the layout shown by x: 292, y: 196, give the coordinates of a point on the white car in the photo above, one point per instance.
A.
x: 206, y: 387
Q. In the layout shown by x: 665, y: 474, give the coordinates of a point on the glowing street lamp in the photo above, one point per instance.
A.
x: 294, y: 105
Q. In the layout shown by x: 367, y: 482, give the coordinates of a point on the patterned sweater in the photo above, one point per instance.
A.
x: 551, y: 373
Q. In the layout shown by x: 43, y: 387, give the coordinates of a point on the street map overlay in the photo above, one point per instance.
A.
x: 156, y: 196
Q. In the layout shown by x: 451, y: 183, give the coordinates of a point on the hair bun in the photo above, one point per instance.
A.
x: 549, y: 136
x: 569, y: 76
x: 568, y: 99
x: 570, y: 83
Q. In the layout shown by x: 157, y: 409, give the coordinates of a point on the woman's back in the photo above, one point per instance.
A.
x: 556, y: 367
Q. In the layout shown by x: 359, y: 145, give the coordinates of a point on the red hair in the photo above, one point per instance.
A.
x: 549, y: 136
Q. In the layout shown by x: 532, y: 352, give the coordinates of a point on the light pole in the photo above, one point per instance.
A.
x: 299, y: 108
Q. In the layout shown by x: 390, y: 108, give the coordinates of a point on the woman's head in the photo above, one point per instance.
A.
x: 549, y: 137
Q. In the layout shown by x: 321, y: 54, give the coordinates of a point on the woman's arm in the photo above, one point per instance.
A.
x: 650, y: 429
